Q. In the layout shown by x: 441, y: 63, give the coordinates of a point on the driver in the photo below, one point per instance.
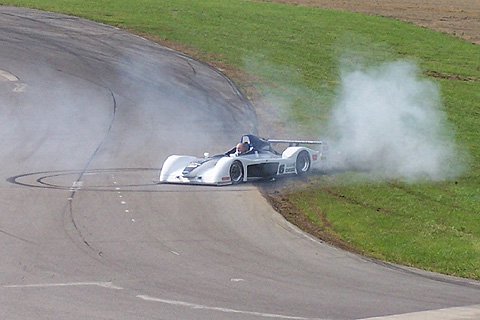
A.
x: 242, y: 148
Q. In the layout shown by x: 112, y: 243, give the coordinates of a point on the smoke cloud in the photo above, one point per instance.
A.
x: 390, y: 122
x: 385, y: 120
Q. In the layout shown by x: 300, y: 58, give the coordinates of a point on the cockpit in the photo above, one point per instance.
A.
x: 257, y: 144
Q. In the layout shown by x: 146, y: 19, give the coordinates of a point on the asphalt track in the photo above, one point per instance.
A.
x: 88, y: 114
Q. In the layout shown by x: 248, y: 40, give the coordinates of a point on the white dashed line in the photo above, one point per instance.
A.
x: 20, y: 87
x: 7, y: 76
x: 77, y: 184
x: 225, y: 310
x: 107, y: 285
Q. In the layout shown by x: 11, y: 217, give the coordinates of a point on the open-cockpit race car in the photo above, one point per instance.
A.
x: 252, y: 158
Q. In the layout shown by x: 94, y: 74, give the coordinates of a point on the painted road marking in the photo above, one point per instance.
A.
x: 20, y: 87
x: 107, y: 285
x: 220, y: 309
x: 457, y: 313
x: 76, y: 185
x: 7, y: 76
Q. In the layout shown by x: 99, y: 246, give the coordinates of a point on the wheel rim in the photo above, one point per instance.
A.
x: 236, y: 172
x: 303, y: 163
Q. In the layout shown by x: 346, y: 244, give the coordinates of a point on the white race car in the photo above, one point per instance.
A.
x: 259, y: 160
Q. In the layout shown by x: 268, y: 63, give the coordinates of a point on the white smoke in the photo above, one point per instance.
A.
x: 390, y: 122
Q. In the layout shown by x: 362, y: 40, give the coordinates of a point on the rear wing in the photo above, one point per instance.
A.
x: 296, y: 143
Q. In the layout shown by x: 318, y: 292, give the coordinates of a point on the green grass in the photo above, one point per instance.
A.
x: 294, y: 54
x: 434, y: 226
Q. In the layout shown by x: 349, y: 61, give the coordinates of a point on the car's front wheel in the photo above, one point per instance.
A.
x: 236, y: 172
x: 303, y: 162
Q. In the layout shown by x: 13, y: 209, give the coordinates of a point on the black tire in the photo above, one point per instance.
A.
x: 236, y: 172
x: 303, y: 162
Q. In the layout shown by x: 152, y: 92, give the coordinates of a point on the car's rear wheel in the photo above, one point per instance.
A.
x: 303, y: 162
x: 236, y: 172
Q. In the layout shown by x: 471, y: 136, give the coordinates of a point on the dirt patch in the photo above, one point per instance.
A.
x: 276, y: 192
x: 456, y: 17
x: 436, y: 74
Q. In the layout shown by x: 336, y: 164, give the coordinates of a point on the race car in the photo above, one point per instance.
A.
x: 257, y: 160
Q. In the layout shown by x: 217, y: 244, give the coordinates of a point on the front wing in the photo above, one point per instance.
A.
x: 210, y: 173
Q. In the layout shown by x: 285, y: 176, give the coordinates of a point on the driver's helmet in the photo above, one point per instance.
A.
x: 242, y: 148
